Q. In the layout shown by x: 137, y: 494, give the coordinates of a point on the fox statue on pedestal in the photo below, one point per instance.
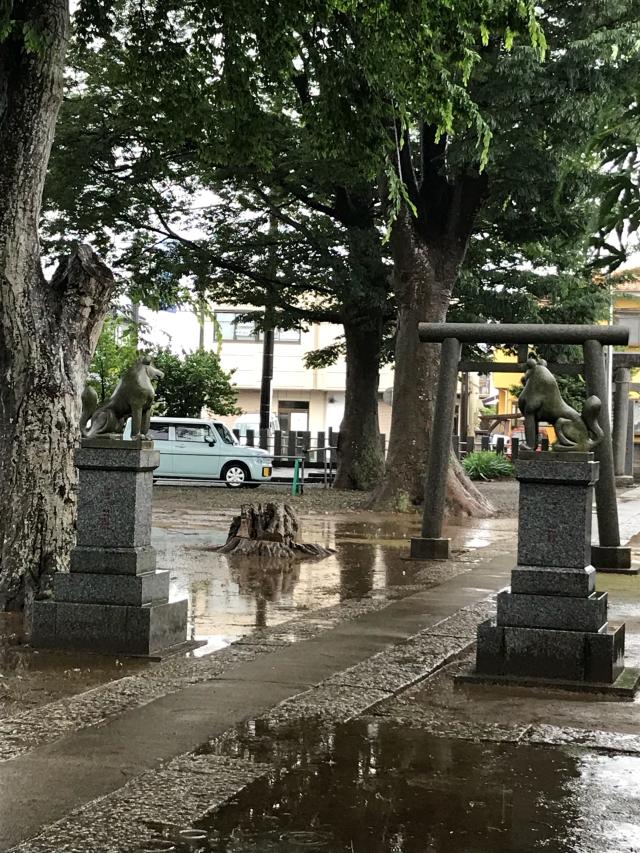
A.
x: 133, y: 397
x: 540, y: 400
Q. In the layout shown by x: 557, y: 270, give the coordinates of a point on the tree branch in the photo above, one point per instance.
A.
x: 405, y: 159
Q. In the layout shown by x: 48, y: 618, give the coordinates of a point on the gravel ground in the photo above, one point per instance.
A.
x: 211, y: 496
x: 502, y: 493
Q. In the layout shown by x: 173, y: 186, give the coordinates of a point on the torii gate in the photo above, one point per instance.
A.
x: 608, y: 554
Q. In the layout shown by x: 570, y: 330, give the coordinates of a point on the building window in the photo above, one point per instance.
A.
x: 293, y: 415
x: 292, y: 336
x: 246, y: 331
x: 236, y: 331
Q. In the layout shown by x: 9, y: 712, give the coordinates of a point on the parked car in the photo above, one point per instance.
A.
x: 252, y: 421
x: 194, y: 448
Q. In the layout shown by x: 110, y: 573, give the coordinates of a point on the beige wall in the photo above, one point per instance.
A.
x: 323, y: 389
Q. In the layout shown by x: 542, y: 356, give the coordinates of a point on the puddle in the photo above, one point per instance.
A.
x: 230, y: 597
x: 369, y: 787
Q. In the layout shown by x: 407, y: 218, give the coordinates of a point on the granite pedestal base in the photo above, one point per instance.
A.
x: 151, y: 630
x: 613, y: 559
x: 113, y: 601
x: 624, y: 481
x: 429, y: 549
x: 551, y: 627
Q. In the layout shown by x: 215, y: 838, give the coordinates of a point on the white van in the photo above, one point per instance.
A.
x: 195, y: 448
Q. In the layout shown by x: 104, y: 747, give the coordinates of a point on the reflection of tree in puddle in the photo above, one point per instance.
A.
x: 271, y: 582
x: 365, y: 568
x: 356, y: 564
x: 267, y: 583
x: 377, y: 788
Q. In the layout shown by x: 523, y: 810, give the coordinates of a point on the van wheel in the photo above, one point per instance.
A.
x: 235, y: 475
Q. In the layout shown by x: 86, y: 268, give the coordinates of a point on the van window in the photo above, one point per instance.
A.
x: 191, y: 433
x: 159, y: 432
x: 227, y: 436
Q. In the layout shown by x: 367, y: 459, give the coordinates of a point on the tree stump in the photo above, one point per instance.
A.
x: 268, y: 530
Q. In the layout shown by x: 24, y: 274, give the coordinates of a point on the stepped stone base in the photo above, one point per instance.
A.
x: 132, y: 590
x: 551, y: 628
x: 615, y: 560
x: 561, y: 612
x: 429, y: 549
x: 624, y: 687
x: 113, y: 601
x: 117, y: 561
x: 554, y: 655
x: 109, y: 628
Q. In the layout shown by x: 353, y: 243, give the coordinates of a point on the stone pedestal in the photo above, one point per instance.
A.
x: 552, y: 627
x: 113, y: 600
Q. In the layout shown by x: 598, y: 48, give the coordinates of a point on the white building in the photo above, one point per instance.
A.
x: 303, y: 399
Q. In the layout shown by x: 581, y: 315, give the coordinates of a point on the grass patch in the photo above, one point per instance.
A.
x: 485, y: 465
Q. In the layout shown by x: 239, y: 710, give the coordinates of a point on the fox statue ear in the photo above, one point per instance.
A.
x: 531, y: 362
x: 542, y: 362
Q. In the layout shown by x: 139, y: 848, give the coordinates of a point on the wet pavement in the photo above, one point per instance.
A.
x: 370, y: 787
x: 328, y: 718
x: 231, y: 597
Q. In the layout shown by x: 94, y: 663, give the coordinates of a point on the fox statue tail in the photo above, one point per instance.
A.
x: 590, y: 412
x: 89, y: 405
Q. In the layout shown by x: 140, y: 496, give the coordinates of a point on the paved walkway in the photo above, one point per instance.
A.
x: 44, y: 784
x: 120, y: 750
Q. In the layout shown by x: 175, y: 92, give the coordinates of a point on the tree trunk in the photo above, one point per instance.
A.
x: 48, y: 330
x: 424, y: 275
x: 360, y: 456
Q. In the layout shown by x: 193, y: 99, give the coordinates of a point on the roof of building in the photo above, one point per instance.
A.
x: 629, y: 280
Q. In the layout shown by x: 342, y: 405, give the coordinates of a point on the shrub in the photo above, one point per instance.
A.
x: 485, y: 465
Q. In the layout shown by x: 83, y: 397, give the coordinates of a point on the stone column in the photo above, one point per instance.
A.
x: 608, y: 555
x: 113, y: 600
x: 620, y: 418
x: 551, y: 626
x: 430, y: 545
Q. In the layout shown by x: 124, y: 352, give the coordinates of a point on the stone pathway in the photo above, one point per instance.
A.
x: 99, y: 742
x: 102, y: 771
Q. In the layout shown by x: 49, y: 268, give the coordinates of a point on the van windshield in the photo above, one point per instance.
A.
x: 225, y: 434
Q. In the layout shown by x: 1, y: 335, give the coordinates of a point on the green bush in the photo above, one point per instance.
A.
x: 485, y: 465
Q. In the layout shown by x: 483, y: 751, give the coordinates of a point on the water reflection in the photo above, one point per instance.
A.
x: 372, y: 787
x: 230, y: 596
x: 367, y: 787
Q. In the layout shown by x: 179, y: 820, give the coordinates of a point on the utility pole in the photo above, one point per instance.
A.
x: 267, y: 370
x: 268, y: 346
x: 202, y: 317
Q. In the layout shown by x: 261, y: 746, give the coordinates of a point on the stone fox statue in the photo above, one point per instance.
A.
x: 540, y: 400
x: 133, y: 397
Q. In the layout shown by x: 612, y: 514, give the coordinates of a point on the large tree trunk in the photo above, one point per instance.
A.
x: 360, y: 456
x: 424, y: 274
x: 47, y: 329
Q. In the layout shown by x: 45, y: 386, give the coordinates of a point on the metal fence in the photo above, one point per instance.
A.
x: 319, y: 448
x: 463, y: 446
